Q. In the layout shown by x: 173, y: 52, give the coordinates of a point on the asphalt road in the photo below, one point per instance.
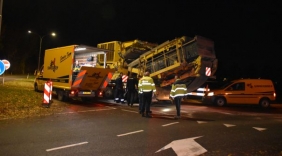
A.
x: 107, y: 129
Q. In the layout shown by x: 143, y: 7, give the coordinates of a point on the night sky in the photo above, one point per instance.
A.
x: 247, y: 34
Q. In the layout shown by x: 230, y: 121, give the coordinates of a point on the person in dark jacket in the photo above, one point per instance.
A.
x: 119, y: 90
x: 131, y: 87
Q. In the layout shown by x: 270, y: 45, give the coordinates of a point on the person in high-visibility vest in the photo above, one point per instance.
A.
x: 178, y: 91
x: 148, y: 89
x: 140, y: 95
x: 76, y: 67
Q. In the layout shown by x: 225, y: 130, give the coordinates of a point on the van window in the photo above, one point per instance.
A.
x: 225, y: 84
x: 237, y: 86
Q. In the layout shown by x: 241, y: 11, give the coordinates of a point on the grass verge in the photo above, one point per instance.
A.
x: 19, y: 100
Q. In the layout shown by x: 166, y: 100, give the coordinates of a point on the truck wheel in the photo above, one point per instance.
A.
x: 108, y: 93
x: 264, y: 102
x: 61, y: 96
x: 220, y: 101
x: 35, y: 87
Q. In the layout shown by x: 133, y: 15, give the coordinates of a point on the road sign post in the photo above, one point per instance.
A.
x: 2, y: 70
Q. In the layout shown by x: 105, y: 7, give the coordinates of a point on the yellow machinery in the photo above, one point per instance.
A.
x: 121, y: 53
x: 192, y: 58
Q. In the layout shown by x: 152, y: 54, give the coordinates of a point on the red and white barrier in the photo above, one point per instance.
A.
x: 124, y: 78
x: 47, y: 94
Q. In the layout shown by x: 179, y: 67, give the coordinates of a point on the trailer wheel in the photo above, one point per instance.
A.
x: 220, y: 101
x: 264, y: 102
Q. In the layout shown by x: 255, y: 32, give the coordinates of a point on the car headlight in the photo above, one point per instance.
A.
x: 211, y: 94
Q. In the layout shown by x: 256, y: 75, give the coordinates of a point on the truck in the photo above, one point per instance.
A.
x: 193, y: 59
x: 74, y: 71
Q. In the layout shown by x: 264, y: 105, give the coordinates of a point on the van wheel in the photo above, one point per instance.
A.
x: 220, y: 101
x: 61, y: 96
x: 36, y: 87
x: 264, y: 102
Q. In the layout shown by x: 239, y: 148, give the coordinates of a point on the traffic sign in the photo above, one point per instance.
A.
x: 2, y: 67
x: 7, y: 64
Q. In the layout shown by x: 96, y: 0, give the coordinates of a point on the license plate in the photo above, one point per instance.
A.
x: 86, y: 92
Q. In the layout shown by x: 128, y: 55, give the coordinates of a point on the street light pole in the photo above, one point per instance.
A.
x: 39, y: 53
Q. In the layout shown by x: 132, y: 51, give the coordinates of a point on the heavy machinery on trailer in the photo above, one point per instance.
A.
x: 74, y: 71
x: 193, y: 59
x: 120, y: 55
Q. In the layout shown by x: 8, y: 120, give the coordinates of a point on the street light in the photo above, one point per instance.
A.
x: 41, y: 38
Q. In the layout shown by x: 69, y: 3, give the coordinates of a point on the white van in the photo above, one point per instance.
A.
x: 244, y: 91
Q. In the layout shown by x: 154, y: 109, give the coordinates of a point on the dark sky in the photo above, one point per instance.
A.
x: 247, y: 33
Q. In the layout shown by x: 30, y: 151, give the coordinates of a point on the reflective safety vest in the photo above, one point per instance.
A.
x: 146, y: 84
x: 178, y: 89
x: 76, y: 69
x: 139, y: 87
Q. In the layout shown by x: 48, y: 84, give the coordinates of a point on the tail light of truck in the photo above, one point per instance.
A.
x: 274, y: 94
x: 100, y: 93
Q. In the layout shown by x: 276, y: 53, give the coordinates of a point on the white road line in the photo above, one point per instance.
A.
x: 92, y: 110
x: 130, y: 133
x: 225, y: 113
x: 111, y: 107
x: 170, y: 124
x: 129, y: 111
x: 162, y: 112
x: 67, y: 113
x: 72, y: 145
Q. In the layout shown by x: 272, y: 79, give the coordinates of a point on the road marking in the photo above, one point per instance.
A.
x: 96, y: 110
x: 185, y: 147
x: 229, y: 125
x: 225, y: 113
x: 130, y: 133
x: 129, y: 111
x: 72, y: 145
x: 67, y: 113
x: 162, y: 112
x: 201, y: 122
x: 92, y: 110
x: 170, y: 124
x: 259, y: 129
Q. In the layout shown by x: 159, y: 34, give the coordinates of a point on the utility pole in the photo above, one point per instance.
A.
x: 1, y: 6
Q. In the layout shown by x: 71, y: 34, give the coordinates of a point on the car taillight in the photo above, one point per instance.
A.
x: 274, y: 94
x: 100, y: 93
